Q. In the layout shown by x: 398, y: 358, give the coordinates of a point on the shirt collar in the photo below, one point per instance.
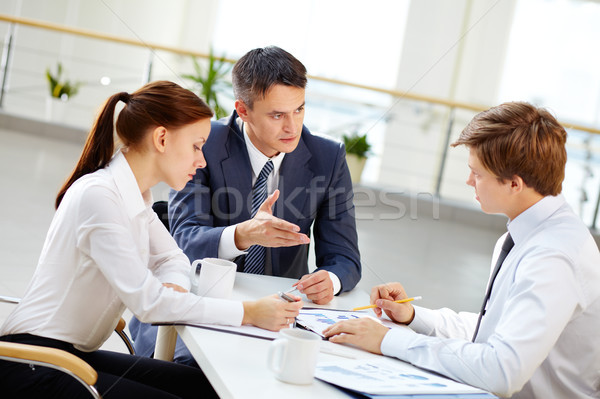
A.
x: 520, y: 227
x: 257, y: 158
x: 135, y: 202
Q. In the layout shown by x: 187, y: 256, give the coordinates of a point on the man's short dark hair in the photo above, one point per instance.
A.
x: 259, y: 69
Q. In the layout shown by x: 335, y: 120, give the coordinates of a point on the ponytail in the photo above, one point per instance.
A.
x: 99, y: 146
x: 159, y: 103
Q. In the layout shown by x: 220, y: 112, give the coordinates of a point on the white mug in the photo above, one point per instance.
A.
x: 293, y: 356
x: 213, y: 277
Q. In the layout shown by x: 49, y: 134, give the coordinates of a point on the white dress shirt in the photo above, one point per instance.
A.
x: 106, y: 250
x: 540, y: 336
x: 227, y: 247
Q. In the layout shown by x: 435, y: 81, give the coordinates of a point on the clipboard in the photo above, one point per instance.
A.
x: 245, y: 330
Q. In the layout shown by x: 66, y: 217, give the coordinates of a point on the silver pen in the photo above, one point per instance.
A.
x: 286, y: 297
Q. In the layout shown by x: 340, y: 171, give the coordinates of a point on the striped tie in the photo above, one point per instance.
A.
x: 255, y: 258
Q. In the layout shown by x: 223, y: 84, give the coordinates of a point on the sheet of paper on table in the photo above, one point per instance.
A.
x: 317, y: 319
x: 313, y: 319
x: 391, y: 377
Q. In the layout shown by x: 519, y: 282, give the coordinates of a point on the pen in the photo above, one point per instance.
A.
x: 285, y: 296
x: 288, y: 298
x: 291, y: 290
x: 398, y: 301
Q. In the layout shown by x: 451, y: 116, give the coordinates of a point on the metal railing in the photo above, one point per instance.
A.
x: 153, y: 48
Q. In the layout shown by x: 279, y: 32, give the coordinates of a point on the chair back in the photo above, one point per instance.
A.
x: 162, y: 210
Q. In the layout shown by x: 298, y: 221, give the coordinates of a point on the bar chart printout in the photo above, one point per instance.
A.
x: 391, y: 377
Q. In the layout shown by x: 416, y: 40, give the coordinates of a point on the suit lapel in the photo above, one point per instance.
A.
x: 294, y: 180
x: 237, y: 173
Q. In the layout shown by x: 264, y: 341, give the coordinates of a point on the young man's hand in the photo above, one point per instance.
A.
x: 365, y: 333
x: 384, y: 296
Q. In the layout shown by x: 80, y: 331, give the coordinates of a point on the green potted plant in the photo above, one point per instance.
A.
x: 59, y: 87
x: 212, y: 80
x: 357, y: 151
x: 60, y: 90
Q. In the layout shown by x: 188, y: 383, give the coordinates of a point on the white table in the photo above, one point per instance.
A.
x: 237, y: 365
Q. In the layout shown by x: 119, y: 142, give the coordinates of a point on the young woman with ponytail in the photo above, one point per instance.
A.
x: 106, y: 251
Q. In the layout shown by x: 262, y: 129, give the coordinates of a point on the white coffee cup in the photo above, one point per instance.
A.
x: 213, y: 277
x: 293, y: 356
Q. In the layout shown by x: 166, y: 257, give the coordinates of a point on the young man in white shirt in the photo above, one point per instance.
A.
x: 537, y: 334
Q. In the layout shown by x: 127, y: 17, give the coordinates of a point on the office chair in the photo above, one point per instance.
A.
x: 53, y: 358
x: 57, y: 358
x: 162, y: 210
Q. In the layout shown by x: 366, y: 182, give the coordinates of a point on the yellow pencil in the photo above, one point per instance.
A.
x: 398, y: 301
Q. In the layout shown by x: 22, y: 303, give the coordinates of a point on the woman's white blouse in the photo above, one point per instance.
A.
x: 106, y: 250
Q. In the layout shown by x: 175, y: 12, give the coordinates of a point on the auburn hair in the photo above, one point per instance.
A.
x: 160, y: 103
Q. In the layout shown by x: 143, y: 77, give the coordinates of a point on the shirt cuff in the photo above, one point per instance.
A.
x: 223, y: 311
x: 396, y: 342
x: 227, y: 248
x: 337, y: 284
x: 424, y: 320
x: 177, y: 278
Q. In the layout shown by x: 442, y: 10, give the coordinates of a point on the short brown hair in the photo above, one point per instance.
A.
x: 519, y: 139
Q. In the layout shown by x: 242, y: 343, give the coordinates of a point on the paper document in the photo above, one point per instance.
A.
x: 390, y: 377
x: 317, y: 319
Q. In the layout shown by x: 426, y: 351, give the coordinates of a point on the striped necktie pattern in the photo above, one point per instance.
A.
x: 255, y: 257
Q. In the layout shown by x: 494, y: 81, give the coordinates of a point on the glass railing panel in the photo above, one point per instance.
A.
x: 408, y: 136
x: 582, y: 174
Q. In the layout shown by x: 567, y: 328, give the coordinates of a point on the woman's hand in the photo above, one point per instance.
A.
x: 271, y: 312
x: 175, y: 287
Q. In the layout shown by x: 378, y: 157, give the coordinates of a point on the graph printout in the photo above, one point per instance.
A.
x: 317, y: 320
x: 388, y: 377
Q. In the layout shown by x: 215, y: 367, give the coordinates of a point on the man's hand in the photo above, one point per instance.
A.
x: 384, y: 296
x: 175, y: 287
x: 365, y: 333
x: 317, y: 287
x: 271, y: 312
x: 267, y: 230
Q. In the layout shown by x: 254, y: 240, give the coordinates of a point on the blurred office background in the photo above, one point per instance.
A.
x: 408, y: 74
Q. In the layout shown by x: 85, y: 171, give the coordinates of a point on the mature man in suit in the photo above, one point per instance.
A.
x: 308, y: 183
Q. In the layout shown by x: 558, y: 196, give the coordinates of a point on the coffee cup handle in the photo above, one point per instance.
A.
x: 195, y: 275
x: 277, y: 351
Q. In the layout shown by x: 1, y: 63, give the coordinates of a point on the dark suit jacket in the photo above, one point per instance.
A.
x: 316, y: 190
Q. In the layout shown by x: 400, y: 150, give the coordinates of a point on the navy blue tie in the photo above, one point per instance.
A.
x: 506, y: 247
x: 255, y: 258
